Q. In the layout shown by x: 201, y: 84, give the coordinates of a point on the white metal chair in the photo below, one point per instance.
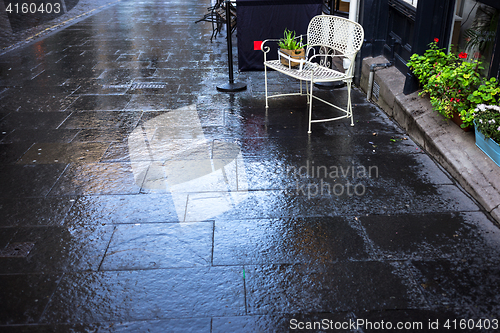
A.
x: 330, y: 40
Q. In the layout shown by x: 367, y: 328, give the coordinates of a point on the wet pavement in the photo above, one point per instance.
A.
x: 137, y: 197
x: 18, y: 28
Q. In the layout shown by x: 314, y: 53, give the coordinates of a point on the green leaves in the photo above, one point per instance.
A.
x: 430, y: 63
x: 289, y: 41
x: 486, y: 93
x: 453, y: 85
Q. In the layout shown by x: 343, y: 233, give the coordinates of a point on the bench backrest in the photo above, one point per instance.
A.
x: 336, y: 33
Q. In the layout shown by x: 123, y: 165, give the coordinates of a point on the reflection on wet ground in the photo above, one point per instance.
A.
x: 136, y: 197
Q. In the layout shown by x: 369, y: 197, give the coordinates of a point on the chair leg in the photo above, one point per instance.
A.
x: 307, y: 91
x: 309, y: 100
x: 265, y: 80
x: 214, y: 31
x: 349, y: 105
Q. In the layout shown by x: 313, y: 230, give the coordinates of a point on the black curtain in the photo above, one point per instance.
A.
x: 261, y: 20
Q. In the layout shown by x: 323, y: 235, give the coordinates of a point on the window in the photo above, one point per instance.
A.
x: 412, y: 2
x: 475, y: 30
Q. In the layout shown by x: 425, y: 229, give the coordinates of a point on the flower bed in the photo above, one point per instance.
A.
x: 452, y: 83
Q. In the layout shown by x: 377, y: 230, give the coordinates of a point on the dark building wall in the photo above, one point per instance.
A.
x: 397, y: 30
x: 373, y: 16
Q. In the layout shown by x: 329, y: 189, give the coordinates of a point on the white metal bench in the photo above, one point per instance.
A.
x: 330, y: 39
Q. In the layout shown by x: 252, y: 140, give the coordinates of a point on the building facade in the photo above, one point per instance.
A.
x: 399, y: 28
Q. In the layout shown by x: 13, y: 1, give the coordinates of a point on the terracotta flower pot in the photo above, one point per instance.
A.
x: 295, y: 54
x: 457, y: 120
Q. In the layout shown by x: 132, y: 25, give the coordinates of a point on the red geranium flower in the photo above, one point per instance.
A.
x: 436, y: 40
x: 462, y: 55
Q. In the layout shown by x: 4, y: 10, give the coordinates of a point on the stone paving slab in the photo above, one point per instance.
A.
x: 142, y: 294
x: 343, y: 288
x: 336, y: 239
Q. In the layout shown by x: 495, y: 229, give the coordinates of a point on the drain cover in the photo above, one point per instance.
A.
x: 137, y: 85
x: 116, y: 86
x: 17, y: 250
x: 148, y: 85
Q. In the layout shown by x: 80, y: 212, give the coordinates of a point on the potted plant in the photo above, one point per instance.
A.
x: 487, y: 93
x: 454, y: 85
x: 292, y: 47
x: 487, y: 127
x: 450, y: 88
x: 429, y: 64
